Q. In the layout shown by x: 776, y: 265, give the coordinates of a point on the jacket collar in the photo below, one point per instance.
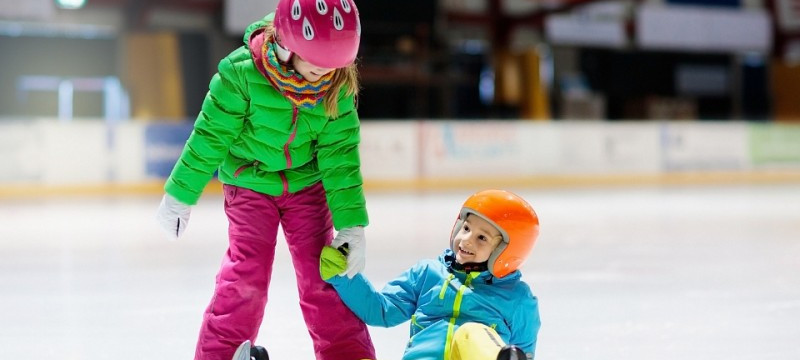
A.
x: 447, y: 258
x: 255, y: 44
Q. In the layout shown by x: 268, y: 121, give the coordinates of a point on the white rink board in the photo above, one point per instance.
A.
x: 127, y: 152
x: 46, y: 152
x: 540, y: 148
x: 389, y: 150
x: 706, y: 146
x: 475, y: 149
x: 609, y: 148
x: 75, y: 153
x: 774, y: 146
x: 20, y: 152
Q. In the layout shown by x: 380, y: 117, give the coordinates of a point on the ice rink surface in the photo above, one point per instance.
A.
x: 657, y: 273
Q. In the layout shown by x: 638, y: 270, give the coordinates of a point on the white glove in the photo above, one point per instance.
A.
x: 173, y: 216
x: 356, y: 249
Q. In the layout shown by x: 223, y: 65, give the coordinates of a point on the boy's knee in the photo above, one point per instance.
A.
x: 475, y: 341
x: 473, y: 331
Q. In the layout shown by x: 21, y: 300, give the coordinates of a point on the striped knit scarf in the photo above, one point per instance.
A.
x: 297, y: 90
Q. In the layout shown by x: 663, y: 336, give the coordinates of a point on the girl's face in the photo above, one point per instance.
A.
x: 476, y: 240
x: 309, y: 71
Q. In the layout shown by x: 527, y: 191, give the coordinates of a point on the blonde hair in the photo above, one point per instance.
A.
x: 343, y: 78
x: 346, y: 77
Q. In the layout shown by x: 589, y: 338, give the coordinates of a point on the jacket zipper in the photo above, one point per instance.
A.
x: 414, y: 331
x: 445, y: 284
x: 291, y: 139
x: 457, y: 311
x: 286, y: 152
x: 243, y: 167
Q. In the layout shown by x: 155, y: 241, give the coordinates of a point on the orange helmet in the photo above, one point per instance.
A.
x: 513, y: 217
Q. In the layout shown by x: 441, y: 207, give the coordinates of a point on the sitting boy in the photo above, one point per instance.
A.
x: 468, y: 304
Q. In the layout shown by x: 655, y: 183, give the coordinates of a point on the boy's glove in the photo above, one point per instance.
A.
x: 332, y: 262
x: 354, y: 238
x: 173, y: 216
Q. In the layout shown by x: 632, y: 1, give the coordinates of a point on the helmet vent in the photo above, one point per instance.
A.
x: 322, y: 7
x: 338, y: 21
x: 308, y: 30
x: 296, y: 11
x: 346, y: 6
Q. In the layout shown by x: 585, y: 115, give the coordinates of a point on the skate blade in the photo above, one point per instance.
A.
x: 243, y: 352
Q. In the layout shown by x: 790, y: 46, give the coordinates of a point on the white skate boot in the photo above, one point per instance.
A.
x: 246, y: 351
x: 243, y: 351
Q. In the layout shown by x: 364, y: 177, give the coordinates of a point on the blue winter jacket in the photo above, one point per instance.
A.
x: 438, y: 299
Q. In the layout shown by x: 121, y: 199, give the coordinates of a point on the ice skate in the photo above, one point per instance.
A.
x: 243, y: 352
x: 259, y: 353
x: 247, y: 351
x: 511, y: 352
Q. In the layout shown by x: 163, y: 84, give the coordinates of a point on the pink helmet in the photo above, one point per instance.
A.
x: 325, y: 33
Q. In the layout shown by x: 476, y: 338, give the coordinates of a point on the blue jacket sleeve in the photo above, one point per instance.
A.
x: 390, y: 307
x: 525, y: 325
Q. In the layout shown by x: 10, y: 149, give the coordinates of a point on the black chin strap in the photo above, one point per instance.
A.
x: 468, y: 267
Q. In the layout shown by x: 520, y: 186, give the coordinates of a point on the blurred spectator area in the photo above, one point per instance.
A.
x: 420, y: 59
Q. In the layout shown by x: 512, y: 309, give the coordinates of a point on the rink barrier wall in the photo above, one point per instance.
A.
x: 47, y: 158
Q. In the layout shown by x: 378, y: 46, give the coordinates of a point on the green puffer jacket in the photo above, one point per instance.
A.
x: 258, y: 140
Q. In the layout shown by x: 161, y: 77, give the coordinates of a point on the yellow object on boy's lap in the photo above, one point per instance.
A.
x: 331, y: 262
x: 474, y: 341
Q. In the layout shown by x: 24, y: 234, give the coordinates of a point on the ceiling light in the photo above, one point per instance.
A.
x: 71, y: 4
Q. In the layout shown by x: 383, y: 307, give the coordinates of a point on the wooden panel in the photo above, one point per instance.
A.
x: 786, y: 91
x: 507, y: 79
x: 153, y: 76
x: 535, y: 103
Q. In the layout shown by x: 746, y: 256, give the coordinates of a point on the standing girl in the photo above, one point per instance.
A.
x: 279, y: 123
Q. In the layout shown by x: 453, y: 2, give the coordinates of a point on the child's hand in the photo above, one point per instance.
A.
x: 357, y: 248
x: 173, y: 216
x: 332, y: 262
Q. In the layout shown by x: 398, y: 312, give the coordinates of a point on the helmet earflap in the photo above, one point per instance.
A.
x: 513, y: 217
x: 283, y: 54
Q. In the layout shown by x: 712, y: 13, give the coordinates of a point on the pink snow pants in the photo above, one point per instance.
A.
x: 237, y: 308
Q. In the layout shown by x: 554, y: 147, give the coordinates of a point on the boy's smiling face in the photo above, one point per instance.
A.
x: 476, y: 240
